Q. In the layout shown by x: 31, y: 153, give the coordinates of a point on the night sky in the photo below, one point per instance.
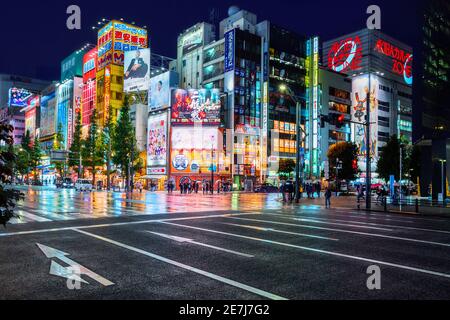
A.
x: 35, y: 38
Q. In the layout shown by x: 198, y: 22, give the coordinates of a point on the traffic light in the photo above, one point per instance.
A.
x: 323, y: 120
x: 340, y: 121
x: 355, y: 164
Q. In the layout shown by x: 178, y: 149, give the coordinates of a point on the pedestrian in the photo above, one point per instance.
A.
x: 318, y: 189
x: 328, y: 198
x: 181, y: 188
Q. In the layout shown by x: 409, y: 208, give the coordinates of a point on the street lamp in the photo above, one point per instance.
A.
x: 299, y: 129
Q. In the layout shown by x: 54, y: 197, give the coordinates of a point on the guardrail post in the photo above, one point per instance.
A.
x: 417, y: 205
x: 385, y: 204
x: 359, y: 203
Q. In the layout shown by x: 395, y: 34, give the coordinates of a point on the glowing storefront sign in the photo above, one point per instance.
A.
x: 401, y: 60
x: 345, y: 55
x: 157, y: 140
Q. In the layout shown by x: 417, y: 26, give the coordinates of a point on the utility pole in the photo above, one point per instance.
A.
x: 298, y: 157
x: 401, y: 174
x: 212, y: 165
x: 368, y: 159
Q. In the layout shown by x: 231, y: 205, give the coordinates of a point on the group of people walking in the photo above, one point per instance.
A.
x: 287, y: 190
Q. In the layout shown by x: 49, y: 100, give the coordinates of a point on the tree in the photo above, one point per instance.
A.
x: 124, y: 143
x: 26, y: 141
x: 35, y: 158
x: 58, y: 145
x: 389, y: 161
x: 93, y: 147
x: 286, y: 167
x: 75, y: 148
x: 8, y: 196
x: 22, y: 166
x: 347, y: 153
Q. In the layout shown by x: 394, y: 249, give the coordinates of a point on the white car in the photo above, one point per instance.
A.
x: 83, y: 185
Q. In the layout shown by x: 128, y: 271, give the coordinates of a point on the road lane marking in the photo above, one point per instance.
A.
x: 372, y: 261
x: 279, y: 231
x: 343, y: 231
x: 18, y: 233
x: 366, y: 223
x: 186, y: 240
x: 58, y: 270
x: 230, y: 282
x: 340, y: 224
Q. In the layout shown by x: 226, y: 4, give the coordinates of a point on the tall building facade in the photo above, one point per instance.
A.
x: 381, y: 65
x: 431, y: 98
x: 190, y: 47
x: 89, y: 96
x: 114, y: 39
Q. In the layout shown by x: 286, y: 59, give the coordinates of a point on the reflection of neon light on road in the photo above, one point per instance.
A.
x: 408, y: 80
x: 349, y: 59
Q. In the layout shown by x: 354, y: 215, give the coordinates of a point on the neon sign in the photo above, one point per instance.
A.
x: 401, y: 60
x: 345, y: 55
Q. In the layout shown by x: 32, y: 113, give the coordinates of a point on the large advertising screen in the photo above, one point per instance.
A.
x: 191, y: 149
x: 159, y: 92
x: 157, y: 141
x: 196, y: 106
x: 18, y: 97
x: 30, y: 116
x: 137, y: 70
x: 48, y: 115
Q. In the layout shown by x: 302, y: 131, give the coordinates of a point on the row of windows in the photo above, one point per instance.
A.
x: 284, y: 146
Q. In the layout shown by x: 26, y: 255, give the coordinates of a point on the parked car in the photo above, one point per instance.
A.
x: 266, y: 188
x: 83, y: 185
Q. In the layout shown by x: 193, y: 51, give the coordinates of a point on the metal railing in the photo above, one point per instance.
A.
x: 416, y: 205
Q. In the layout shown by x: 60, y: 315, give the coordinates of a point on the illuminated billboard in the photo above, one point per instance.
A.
x: 345, y: 55
x: 196, y: 106
x: 157, y: 141
x: 116, y: 38
x: 48, y: 115
x: 30, y: 116
x: 360, y: 89
x: 192, y: 41
x: 370, y: 51
x: 191, y: 149
x: 137, y: 70
x: 159, y: 92
x: 18, y: 97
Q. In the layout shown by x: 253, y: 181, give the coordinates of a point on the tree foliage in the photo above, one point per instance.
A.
x: 8, y: 195
x: 92, y: 150
x: 389, y: 160
x: 35, y: 158
x: 124, y: 142
x: 347, y: 153
x: 286, y: 167
x: 76, y: 146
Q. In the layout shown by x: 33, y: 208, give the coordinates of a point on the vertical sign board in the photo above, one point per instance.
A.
x: 229, y: 50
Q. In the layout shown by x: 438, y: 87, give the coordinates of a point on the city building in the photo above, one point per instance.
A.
x: 15, y: 94
x: 190, y: 50
x: 431, y: 98
x: 89, y: 96
x: 336, y: 101
x: 114, y: 39
x: 48, y: 114
x: 383, y: 65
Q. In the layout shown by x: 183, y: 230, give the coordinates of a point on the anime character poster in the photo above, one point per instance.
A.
x: 157, y: 140
x: 196, y: 106
x: 359, y: 112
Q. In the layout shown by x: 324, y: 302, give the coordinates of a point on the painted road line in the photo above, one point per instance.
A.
x: 60, y: 271
x: 280, y: 231
x: 343, y: 231
x: 227, y: 281
x: 32, y: 217
x: 341, y: 224
x: 191, y: 241
x: 331, y: 253
x: 367, y: 223
x: 118, y: 224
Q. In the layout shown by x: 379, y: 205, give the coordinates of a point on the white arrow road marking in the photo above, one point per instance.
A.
x: 279, y: 231
x: 186, y: 240
x: 230, y: 282
x: 434, y: 273
x: 344, y: 231
x: 58, y: 270
x: 57, y: 254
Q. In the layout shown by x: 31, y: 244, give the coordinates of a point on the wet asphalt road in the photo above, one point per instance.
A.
x: 236, y: 246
